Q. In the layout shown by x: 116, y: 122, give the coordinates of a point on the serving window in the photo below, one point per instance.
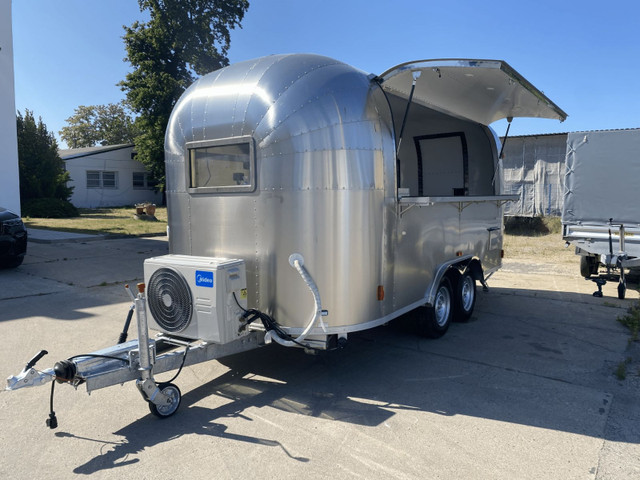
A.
x: 443, y: 165
x: 221, y: 166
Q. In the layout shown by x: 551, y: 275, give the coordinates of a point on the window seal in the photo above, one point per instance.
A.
x: 234, y: 189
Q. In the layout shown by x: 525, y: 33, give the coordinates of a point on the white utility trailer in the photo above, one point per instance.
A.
x: 308, y: 200
x: 601, y: 211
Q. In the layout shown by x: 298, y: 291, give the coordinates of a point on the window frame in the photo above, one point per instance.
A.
x: 245, y: 139
x: 99, y: 179
x: 115, y: 179
x: 464, y: 150
x: 100, y: 174
x: 147, y: 181
x: 144, y: 181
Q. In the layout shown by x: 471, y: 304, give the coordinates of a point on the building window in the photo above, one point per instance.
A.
x: 221, y: 166
x: 93, y: 179
x: 142, y: 180
x: 138, y: 180
x: 98, y: 179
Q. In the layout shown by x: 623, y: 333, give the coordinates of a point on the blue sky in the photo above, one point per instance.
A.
x: 582, y: 54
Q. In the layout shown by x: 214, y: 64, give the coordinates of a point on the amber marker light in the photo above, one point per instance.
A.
x: 380, y: 293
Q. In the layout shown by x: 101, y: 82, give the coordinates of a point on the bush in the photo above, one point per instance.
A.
x: 529, y: 226
x: 49, y: 208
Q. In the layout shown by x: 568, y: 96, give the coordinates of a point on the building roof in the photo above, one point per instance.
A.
x: 72, y: 153
x: 567, y: 133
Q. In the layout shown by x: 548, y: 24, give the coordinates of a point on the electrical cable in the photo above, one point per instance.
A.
x: 93, y: 355
x: 270, y: 324
x: 52, y: 421
x: 184, y: 358
x: 68, y: 367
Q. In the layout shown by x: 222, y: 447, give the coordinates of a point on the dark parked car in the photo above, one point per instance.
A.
x: 13, y: 239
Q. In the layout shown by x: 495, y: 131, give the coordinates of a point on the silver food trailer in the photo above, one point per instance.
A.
x: 601, y: 211
x: 308, y: 200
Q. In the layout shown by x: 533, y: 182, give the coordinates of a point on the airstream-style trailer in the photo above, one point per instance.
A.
x: 308, y: 200
x: 387, y: 186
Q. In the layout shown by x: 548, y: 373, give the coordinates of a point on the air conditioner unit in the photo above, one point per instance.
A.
x: 196, y: 297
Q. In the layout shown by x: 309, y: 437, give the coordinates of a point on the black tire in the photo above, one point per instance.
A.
x: 588, y: 266
x: 165, y: 411
x: 622, y: 290
x: 12, y: 262
x: 433, y: 322
x: 464, y: 298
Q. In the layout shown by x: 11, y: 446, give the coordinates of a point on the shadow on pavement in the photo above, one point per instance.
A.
x: 387, y: 370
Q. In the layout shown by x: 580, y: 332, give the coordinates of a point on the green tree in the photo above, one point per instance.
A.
x: 42, y: 173
x: 182, y: 39
x: 109, y: 124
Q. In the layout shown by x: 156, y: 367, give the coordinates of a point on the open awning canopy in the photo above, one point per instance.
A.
x: 483, y: 91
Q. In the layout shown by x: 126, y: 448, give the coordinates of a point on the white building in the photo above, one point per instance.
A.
x: 9, y: 177
x: 108, y: 177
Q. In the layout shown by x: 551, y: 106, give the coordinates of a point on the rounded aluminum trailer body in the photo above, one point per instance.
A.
x: 380, y: 199
x: 324, y: 174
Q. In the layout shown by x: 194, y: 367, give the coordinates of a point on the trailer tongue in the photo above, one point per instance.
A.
x: 128, y: 362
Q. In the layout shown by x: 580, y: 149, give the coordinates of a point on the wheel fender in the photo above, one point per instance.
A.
x: 462, y: 264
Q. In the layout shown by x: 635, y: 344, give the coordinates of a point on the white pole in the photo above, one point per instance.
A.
x: 9, y: 177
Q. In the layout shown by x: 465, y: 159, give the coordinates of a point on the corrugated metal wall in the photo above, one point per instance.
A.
x: 534, y: 169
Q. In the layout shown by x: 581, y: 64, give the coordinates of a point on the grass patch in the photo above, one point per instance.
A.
x: 105, y: 221
x: 621, y: 369
x: 631, y: 320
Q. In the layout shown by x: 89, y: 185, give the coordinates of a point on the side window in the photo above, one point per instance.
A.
x: 221, y: 166
x: 109, y: 180
x: 138, y: 180
x: 93, y: 179
x: 142, y: 180
x: 99, y: 179
x: 443, y: 165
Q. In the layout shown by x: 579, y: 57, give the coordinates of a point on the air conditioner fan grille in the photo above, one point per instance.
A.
x: 170, y: 300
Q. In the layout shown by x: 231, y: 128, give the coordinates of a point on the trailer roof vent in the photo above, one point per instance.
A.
x: 170, y: 299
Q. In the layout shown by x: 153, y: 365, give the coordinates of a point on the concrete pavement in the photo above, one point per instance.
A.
x: 525, y: 390
x: 41, y: 235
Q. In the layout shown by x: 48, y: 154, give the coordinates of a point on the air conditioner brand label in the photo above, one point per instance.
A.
x: 204, y: 279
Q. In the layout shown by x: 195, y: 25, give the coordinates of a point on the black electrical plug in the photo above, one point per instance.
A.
x: 52, y: 421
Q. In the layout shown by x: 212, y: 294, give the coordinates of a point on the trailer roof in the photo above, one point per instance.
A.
x: 480, y: 90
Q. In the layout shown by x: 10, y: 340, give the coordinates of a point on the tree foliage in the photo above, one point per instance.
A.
x: 94, y: 125
x: 182, y: 39
x: 42, y: 173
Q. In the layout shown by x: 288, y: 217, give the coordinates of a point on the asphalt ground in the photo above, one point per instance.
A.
x: 525, y: 390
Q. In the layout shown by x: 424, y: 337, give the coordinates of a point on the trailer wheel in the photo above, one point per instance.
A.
x: 464, y: 298
x: 165, y: 411
x: 588, y: 266
x: 433, y: 322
